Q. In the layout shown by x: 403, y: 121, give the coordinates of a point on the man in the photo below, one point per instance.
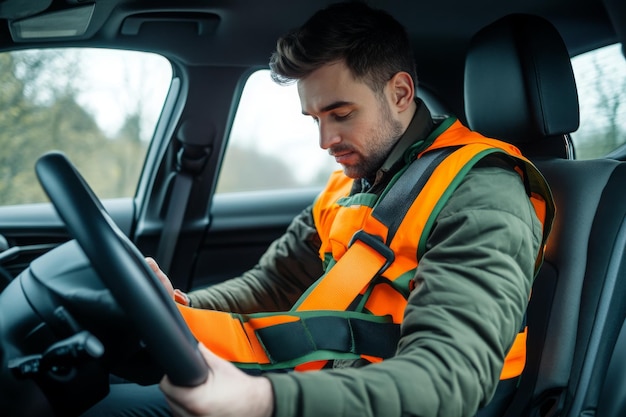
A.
x: 458, y: 281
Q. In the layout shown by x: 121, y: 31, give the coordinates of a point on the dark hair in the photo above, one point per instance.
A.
x: 373, y: 44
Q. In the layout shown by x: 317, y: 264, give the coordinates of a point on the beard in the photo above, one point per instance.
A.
x: 377, y: 147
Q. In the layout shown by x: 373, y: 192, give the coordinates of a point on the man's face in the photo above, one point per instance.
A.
x: 357, y: 126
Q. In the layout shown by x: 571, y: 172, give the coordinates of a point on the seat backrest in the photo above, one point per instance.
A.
x: 519, y: 87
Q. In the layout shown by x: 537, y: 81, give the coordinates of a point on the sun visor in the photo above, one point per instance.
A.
x: 68, y: 23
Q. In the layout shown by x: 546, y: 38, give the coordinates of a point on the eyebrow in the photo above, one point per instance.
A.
x: 331, y: 107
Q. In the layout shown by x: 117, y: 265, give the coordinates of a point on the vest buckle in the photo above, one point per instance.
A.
x: 375, y: 242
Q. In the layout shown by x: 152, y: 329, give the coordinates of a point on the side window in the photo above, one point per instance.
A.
x: 272, y: 145
x: 97, y: 106
x: 601, y: 81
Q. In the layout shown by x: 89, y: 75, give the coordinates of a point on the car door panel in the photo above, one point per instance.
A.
x: 242, y: 226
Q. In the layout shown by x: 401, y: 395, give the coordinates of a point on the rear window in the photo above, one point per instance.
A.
x: 272, y: 145
x: 601, y: 81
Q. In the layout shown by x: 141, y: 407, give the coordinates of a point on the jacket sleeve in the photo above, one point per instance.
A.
x: 472, y: 289
x: 288, y: 267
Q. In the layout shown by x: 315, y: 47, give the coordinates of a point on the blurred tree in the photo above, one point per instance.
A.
x: 125, y: 156
x: 39, y: 112
x: 21, y: 121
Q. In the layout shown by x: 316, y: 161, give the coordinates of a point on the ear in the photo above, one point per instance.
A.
x: 401, y: 91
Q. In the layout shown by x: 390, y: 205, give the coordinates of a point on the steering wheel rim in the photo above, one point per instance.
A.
x: 124, y: 271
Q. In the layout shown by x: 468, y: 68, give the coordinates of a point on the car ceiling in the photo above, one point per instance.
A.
x: 248, y: 28
x: 243, y: 32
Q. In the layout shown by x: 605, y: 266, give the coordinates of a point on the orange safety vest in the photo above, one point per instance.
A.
x: 370, y: 248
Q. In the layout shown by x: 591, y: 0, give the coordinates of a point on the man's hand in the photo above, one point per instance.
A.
x: 176, y: 294
x: 227, y: 392
x: 161, y: 275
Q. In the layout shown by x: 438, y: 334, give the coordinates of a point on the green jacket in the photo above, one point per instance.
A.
x: 471, y: 292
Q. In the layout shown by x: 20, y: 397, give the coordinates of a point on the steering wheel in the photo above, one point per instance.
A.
x: 123, y: 270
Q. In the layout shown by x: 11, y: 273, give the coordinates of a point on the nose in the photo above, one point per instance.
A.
x: 329, y: 135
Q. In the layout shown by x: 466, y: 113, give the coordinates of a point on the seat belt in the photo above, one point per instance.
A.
x: 179, y: 196
x: 190, y: 161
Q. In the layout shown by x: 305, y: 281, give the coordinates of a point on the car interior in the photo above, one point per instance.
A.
x: 69, y: 316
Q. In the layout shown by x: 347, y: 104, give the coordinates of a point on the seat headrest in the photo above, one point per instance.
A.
x: 519, y: 83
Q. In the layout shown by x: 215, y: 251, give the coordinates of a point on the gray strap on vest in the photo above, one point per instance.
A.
x: 395, y: 204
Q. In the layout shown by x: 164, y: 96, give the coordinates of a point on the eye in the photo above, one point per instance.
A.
x: 341, y: 117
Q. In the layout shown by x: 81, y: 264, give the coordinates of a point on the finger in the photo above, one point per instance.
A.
x: 153, y: 264
x: 160, y: 275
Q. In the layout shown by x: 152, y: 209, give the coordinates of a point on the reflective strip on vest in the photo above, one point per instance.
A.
x: 268, y: 341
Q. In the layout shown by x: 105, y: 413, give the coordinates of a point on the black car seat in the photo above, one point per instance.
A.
x: 519, y: 87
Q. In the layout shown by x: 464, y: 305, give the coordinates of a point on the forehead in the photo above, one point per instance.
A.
x: 331, y: 83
